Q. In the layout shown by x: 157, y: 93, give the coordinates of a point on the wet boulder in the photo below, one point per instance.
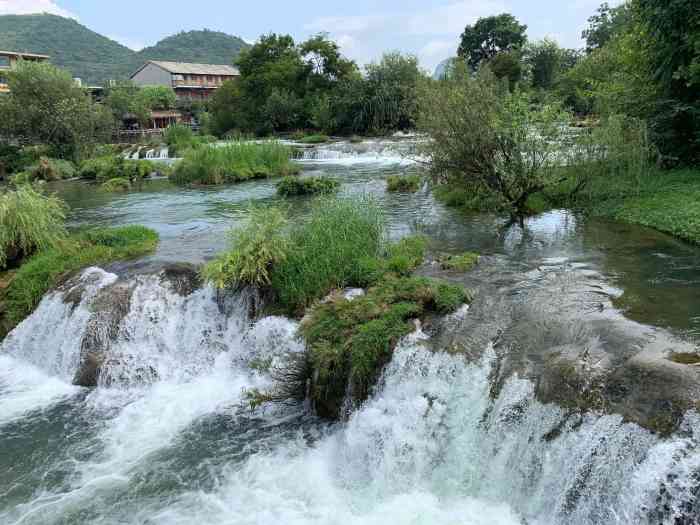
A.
x: 184, y: 279
x: 109, y: 308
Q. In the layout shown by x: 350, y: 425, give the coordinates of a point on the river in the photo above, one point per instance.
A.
x: 489, y: 438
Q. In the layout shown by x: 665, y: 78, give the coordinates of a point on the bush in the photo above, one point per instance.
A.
x: 235, y: 162
x: 103, y: 169
x: 292, y: 186
x: 50, y: 169
x: 29, y: 221
x: 407, y: 183
x: 255, y: 249
x: 44, y: 270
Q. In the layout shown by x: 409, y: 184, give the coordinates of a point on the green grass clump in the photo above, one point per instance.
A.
x: 467, y: 198
x: 255, y: 249
x: 48, y: 169
x: 44, y: 270
x: 180, y: 138
x: 235, y: 162
x: 460, y: 263
x: 294, y: 186
x: 103, y: 169
x: 326, y: 250
x: 314, y: 139
x: 29, y: 221
x: 117, y: 184
x: 350, y: 341
x: 404, y: 183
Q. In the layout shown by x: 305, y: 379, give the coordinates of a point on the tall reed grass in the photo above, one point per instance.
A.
x: 235, y: 162
x: 29, y: 221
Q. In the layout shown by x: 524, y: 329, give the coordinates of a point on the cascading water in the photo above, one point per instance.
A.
x: 165, y: 437
x: 375, y: 152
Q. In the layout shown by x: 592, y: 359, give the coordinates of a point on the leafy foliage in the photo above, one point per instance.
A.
x: 29, y: 221
x: 45, y: 106
x: 47, y: 169
x: 502, y: 145
x: 203, y: 47
x: 490, y: 36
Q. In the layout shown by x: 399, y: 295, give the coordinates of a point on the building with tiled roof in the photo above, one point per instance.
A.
x: 193, y: 81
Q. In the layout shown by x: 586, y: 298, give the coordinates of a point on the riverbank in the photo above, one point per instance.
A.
x: 668, y: 201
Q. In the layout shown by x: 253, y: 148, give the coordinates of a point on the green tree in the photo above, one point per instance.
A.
x: 507, y: 66
x: 671, y: 30
x: 123, y: 99
x: 157, y: 97
x: 607, y: 23
x: 490, y: 36
x: 45, y: 106
x: 503, y: 146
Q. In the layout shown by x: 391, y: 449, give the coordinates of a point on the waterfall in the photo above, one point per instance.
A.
x: 368, y: 152
x: 166, y: 438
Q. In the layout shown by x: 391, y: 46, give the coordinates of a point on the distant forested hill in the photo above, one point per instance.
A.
x: 95, y: 58
x: 207, y: 47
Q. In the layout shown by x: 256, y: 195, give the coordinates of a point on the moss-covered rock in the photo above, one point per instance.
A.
x: 350, y: 341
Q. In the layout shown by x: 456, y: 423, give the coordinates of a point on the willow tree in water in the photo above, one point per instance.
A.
x: 491, y: 140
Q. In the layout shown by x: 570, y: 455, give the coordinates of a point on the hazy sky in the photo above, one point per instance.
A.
x: 364, y: 28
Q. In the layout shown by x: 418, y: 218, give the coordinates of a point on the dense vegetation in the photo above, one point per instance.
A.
x: 286, y: 86
x: 201, y: 47
x: 96, y: 59
x: 404, y: 183
x: 47, y: 267
x: 46, y: 107
x: 234, y: 162
x: 349, y: 340
x: 294, y: 186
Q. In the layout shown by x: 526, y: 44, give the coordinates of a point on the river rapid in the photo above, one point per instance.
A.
x: 468, y: 424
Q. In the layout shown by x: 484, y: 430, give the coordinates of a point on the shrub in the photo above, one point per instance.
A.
x: 44, y: 270
x: 51, y: 169
x: 235, y: 162
x: 29, y: 221
x: 255, y: 249
x: 407, y: 183
x: 292, y: 186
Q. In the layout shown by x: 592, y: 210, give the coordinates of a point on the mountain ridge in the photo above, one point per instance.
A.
x: 95, y: 58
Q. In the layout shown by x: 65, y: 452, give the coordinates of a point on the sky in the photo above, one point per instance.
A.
x: 363, y: 28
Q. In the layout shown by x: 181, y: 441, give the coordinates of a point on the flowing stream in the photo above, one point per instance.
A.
x: 167, y: 436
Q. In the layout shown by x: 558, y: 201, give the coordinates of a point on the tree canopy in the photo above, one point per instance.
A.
x: 490, y: 36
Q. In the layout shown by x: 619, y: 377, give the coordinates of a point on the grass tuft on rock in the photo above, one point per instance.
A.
x: 235, y: 162
x: 460, y: 263
x: 47, y: 268
x: 295, y: 186
x: 403, y: 183
x: 117, y: 184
